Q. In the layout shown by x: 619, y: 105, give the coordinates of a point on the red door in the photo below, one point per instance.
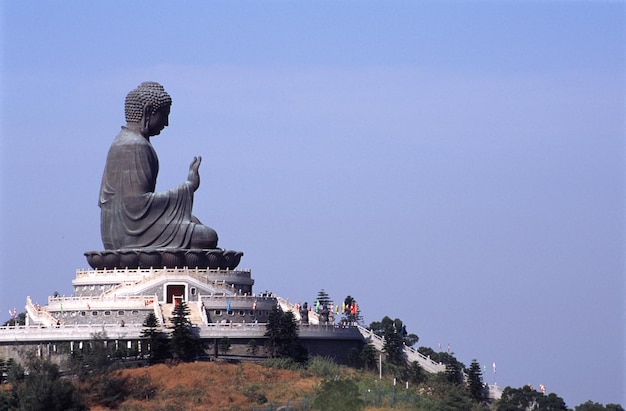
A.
x: 175, y: 291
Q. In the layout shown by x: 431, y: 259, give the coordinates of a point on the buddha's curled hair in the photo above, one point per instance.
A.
x: 148, y: 92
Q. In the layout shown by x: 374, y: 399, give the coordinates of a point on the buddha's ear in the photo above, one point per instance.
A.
x: 145, y: 119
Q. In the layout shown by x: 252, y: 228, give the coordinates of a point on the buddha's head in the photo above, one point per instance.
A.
x: 147, y: 108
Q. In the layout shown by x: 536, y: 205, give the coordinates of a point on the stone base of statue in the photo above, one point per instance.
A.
x: 164, y: 257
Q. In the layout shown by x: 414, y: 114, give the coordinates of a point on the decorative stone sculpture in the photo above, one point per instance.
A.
x: 214, y: 259
x: 304, y: 313
x: 323, y: 314
x: 141, y: 228
x: 132, y: 214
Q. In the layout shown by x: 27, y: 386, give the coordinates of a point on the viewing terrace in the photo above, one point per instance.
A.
x: 85, y: 332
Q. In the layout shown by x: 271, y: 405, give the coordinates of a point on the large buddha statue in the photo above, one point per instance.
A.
x: 133, y: 215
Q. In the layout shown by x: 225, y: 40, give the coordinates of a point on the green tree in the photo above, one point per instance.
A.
x: 223, y: 345
x: 156, y: 340
x: 338, y: 395
x: 381, y: 328
x: 445, y: 358
x: 252, y: 347
x: 350, y: 316
x: 453, y: 373
x: 15, y: 371
x: 551, y: 402
x: 475, y: 382
x: 594, y: 406
x: 322, y: 307
x: 517, y: 399
x: 445, y: 396
x: 10, y: 372
x: 184, y: 342
x: 354, y: 360
x: 521, y: 399
x: 94, y: 357
x: 282, y: 333
x: 44, y: 390
x: 323, y: 298
x: 368, y: 356
x: 395, y: 335
x: 394, y: 347
x: 20, y: 319
x: 411, y: 339
x: 414, y: 373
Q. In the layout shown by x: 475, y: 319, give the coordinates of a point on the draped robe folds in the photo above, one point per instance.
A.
x: 132, y: 214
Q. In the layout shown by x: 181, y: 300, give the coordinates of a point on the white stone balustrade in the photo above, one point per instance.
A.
x: 85, y: 332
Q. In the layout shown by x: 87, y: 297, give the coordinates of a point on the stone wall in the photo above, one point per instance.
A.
x: 112, y: 316
x: 58, y: 351
x: 236, y: 315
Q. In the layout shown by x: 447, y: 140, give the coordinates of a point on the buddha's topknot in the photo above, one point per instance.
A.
x: 148, y: 92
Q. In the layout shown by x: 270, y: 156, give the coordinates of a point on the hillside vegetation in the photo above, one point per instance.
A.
x: 318, y: 384
x: 101, y: 376
x: 207, y: 386
x: 225, y: 386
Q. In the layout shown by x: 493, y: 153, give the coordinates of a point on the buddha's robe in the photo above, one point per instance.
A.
x: 132, y: 214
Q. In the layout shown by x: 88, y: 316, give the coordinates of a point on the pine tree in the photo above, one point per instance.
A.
x: 414, y: 373
x: 323, y: 298
x: 394, y: 345
x: 184, y: 343
x: 475, y: 382
x: 381, y: 328
x: 453, y: 373
x: 282, y: 333
x: 369, y: 356
x: 43, y: 389
x: 322, y: 307
x: 156, y: 339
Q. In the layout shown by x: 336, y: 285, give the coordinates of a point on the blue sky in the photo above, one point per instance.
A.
x: 458, y: 165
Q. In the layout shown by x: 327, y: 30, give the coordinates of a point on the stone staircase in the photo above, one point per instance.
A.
x: 195, y: 317
x: 285, y: 305
x: 167, y: 312
x: 39, y: 314
x: 426, y: 363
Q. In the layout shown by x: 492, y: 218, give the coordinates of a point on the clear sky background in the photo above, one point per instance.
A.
x: 457, y: 165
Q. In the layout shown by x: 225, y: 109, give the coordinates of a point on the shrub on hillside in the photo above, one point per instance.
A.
x: 282, y: 364
x: 338, y: 395
x: 324, y: 367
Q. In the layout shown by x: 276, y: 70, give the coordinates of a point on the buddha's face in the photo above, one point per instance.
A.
x: 158, y: 120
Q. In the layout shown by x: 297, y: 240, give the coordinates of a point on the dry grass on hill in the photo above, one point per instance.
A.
x: 213, y: 386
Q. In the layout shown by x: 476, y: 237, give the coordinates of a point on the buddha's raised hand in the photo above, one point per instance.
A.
x: 194, y: 176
